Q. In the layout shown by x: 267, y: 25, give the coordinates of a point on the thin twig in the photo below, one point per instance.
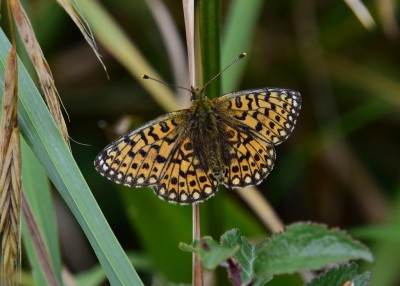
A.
x: 197, y: 270
x: 174, y: 46
x: 188, y: 11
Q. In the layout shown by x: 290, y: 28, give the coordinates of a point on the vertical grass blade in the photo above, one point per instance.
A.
x: 45, y: 141
x: 237, y: 37
x: 210, y: 44
x: 37, y: 190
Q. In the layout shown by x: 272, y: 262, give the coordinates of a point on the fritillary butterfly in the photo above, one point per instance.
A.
x: 184, y: 155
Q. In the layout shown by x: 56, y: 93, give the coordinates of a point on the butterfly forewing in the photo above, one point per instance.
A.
x: 256, y: 120
x: 271, y: 112
x: 138, y: 158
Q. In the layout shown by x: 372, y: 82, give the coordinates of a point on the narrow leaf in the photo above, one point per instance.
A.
x: 210, y: 45
x: 115, y: 40
x: 36, y: 187
x: 238, y: 35
x: 73, y: 10
x: 43, y: 137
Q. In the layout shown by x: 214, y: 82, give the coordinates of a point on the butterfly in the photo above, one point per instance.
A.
x: 184, y: 155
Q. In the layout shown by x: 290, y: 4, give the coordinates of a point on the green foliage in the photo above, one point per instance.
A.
x: 301, y: 247
x: 210, y: 252
x: 338, y: 276
x: 38, y: 194
x: 304, y: 247
x: 46, y: 143
x: 246, y: 257
x: 96, y: 276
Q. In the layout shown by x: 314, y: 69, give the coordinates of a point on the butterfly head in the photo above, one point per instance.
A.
x: 196, y: 94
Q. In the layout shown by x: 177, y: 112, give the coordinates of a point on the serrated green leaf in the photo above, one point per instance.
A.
x: 363, y: 279
x: 245, y: 256
x: 210, y: 252
x: 338, y: 276
x: 307, y: 247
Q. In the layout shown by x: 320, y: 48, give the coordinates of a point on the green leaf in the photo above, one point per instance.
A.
x: 210, y: 252
x: 210, y: 44
x: 384, y: 233
x: 186, y: 247
x: 44, y: 139
x: 116, y: 41
x: 239, y: 28
x: 246, y: 256
x: 96, y: 276
x: 362, y: 279
x: 37, y: 189
x: 304, y: 247
x: 338, y: 276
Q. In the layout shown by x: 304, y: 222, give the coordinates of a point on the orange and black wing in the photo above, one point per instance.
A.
x: 184, y: 180
x: 254, y: 121
x: 247, y: 158
x: 158, y: 155
x: 270, y: 112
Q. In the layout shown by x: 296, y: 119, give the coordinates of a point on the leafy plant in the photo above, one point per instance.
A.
x: 300, y: 247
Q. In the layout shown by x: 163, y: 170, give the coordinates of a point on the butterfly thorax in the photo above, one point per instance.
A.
x: 204, y: 115
x: 205, y: 132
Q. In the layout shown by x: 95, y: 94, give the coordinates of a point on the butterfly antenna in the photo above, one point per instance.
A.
x: 166, y: 83
x: 242, y: 55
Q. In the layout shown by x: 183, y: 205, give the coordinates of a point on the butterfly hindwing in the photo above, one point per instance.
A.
x: 271, y: 112
x: 183, y: 180
x: 248, y: 158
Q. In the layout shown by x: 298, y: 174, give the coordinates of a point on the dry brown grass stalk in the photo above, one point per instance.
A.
x: 10, y: 177
x: 72, y: 8
x: 38, y: 243
x: 40, y: 64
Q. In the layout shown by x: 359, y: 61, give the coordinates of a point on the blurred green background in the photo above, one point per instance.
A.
x: 339, y: 167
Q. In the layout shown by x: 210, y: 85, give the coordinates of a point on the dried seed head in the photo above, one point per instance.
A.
x: 10, y: 178
x: 72, y: 8
x: 41, y: 66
